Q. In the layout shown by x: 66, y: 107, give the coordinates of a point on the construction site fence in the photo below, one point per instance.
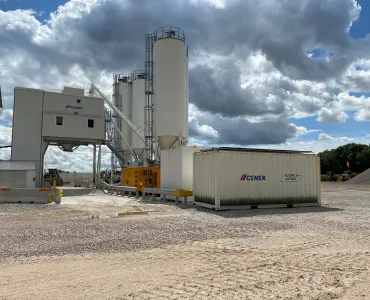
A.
x: 83, y: 182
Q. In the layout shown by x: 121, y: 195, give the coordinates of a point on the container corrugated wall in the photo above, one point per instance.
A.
x: 17, y: 178
x: 204, y: 184
x: 238, y: 178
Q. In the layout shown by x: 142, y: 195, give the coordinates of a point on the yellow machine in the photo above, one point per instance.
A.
x: 52, y: 175
x: 141, y: 177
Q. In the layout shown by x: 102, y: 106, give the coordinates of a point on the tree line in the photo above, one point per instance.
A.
x: 335, y: 160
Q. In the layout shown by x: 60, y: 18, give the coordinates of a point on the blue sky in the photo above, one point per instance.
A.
x: 45, y: 6
x: 361, y: 27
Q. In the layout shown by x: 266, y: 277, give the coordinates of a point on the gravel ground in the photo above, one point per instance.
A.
x: 303, y: 253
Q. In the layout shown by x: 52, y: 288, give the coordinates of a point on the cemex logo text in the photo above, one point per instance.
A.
x: 252, y: 177
x: 73, y: 107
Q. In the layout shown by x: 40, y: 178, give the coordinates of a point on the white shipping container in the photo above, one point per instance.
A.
x: 229, y: 178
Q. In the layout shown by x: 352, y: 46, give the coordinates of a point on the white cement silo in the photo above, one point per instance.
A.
x: 125, y: 92
x: 170, y: 86
x: 138, y: 113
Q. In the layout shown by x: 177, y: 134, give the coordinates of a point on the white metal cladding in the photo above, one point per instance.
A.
x: 125, y: 91
x: 204, y: 178
x: 56, y: 103
x: 73, y: 91
x: 170, y: 91
x: 17, y: 165
x: 17, y: 174
x: 17, y: 178
x: 75, y: 111
x: 256, y: 178
x: 27, y: 113
x: 138, y: 111
x: 177, y: 168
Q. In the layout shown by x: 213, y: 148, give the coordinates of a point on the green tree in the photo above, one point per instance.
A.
x: 358, y: 155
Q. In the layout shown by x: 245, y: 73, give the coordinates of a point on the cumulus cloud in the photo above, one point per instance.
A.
x: 347, y: 139
x: 82, y: 159
x: 248, y: 82
x: 239, y: 131
x: 331, y: 116
x: 5, y: 136
x: 218, y: 90
x: 363, y: 115
x: 325, y: 137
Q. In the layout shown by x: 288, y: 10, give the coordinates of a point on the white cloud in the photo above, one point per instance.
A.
x: 80, y: 160
x: 363, y: 115
x: 332, y: 116
x: 347, y: 139
x: 325, y: 137
x: 301, y: 130
x: 86, y: 41
x: 5, y: 136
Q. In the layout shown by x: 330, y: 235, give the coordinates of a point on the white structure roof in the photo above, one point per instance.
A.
x: 7, y: 165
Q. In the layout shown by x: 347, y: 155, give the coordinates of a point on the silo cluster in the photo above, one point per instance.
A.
x: 167, y: 99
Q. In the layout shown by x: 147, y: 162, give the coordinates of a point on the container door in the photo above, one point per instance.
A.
x: 19, y: 179
x: 5, y: 178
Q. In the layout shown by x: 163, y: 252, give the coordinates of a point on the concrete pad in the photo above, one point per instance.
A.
x: 76, y: 191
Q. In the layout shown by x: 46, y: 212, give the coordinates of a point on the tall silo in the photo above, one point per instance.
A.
x: 138, y: 113
x: 170, y: 87
x: 124, y: 97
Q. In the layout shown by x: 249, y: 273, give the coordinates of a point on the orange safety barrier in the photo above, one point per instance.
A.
x: 5, y: 189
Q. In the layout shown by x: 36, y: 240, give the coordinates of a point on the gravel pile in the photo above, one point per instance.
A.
x: 38, y: 230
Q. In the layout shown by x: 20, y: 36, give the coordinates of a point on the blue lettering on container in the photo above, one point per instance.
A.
x: 246, y: 177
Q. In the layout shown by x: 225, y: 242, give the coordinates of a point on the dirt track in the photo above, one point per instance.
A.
x: 320, y: 253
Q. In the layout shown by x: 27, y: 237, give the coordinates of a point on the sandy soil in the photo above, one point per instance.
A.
x: 305, y: 253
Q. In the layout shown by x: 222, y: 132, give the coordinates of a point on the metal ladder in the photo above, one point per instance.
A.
x: 149, y: 92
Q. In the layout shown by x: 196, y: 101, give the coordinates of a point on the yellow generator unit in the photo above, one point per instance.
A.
x: 141, y: 177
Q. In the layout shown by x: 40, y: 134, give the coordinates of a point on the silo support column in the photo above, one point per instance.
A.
x: 94, y: 164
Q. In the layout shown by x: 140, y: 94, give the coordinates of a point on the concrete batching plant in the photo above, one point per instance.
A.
x: 146, y: 128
